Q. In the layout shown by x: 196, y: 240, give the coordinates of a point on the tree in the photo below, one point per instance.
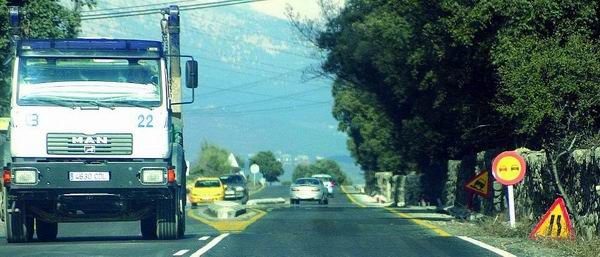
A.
x: 419, y: 82
x: 43, y: 19
x: 212, y: 162
x: 552, y: 87
x: 324, y: 166
x: 270, y: 168
x: 548, y: 65
x: 302, y: 171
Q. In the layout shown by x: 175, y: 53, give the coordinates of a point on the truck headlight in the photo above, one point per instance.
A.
x: 154, y: 176
x: 25, y: 176
x: 239, y: 189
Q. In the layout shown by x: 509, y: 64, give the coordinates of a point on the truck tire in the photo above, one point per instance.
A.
x: 46, y: 231
x: 167, y: 219
x: 148, y: 227
x: 17, y: 227
x: 181, y: 213
x: 30, y: 227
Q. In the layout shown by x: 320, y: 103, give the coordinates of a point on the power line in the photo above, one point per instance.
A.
x: 292, y: 107
x: 265, y: 47
x: 157, y: 10
x: 271, y: 98
x: 246, y: 85
x: 295, y: 42
x: 137, y: 6
x: 240, y: 65
x: 215, y: 59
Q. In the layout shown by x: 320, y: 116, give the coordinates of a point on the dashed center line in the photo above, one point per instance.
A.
x: 204, y: 238
x: 210, y: 245
x: 181, y: 252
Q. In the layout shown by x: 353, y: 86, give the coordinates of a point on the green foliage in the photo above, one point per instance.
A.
x: 270, y: 167
x: 212, y: 162
x: 40, y: 19
x: 324, y: 166
x: 420, y: 82
x: 550, y: 86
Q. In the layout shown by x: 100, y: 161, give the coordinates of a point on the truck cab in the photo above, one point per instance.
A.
x: 93, y: 138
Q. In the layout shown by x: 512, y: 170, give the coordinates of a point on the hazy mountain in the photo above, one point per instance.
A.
x: 252, y: 95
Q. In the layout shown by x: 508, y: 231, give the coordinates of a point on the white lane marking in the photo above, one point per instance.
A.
x: 486, y: 246
x: 204, y: 238
x: 210, y: 245
x: 181, y: 252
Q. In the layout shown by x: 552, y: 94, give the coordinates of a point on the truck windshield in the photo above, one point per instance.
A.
x: 84, y: 81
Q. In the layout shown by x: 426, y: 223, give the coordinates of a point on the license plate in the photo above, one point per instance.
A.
x: 89, y: 176
x: 228, y: 192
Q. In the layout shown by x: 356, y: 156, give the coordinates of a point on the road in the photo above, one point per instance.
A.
x: 339, y: 229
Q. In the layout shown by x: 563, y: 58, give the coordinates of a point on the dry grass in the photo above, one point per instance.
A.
x: 495, y: 231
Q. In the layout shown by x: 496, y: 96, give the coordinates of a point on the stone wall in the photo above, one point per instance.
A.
x: 579, y: 174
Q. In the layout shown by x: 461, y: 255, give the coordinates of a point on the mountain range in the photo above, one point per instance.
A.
x: 255, y: 91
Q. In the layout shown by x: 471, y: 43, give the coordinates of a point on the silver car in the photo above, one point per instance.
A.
x: 308, y: 189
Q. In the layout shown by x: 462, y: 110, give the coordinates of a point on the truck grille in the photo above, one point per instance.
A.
x: 81, y: 144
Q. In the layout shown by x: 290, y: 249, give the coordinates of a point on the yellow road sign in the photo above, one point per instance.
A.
x: 555, y: 223
x: 509, y: 168
x: 479, y: 184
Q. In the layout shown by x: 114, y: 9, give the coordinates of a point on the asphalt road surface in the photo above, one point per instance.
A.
x: 339, y: 229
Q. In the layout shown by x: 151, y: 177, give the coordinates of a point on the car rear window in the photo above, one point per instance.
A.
x: 208, y: 183
x: 304, y: 181
x: 232, y: 179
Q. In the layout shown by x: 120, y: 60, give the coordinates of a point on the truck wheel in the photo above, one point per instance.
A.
x: 30, y: 228
x: 148, y: 227
x: 17, y: 227
x: 46, y: 231
x: 166, y: 219
x: 181, y: 213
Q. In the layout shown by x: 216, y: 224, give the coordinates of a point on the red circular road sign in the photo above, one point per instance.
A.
x: 509, y: 168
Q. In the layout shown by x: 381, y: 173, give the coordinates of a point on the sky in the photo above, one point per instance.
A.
x: 252, y: 93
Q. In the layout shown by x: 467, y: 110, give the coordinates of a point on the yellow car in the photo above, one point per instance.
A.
x: 206, y: 190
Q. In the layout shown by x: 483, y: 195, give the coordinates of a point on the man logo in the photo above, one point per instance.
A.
x: 89, y: 148
x: 89, y: 140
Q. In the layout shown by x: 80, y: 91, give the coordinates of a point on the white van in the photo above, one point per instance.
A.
x: 328, y: 182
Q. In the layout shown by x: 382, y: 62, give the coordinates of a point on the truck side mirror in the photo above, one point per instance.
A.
x: 191, y: 74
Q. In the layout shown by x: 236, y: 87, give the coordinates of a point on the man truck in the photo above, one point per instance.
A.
x: 96, y: 134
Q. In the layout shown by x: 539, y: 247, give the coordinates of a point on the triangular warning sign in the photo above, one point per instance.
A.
x: 555, y: 223
x: 479, y: 184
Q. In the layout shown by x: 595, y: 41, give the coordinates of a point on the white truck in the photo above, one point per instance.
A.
x: 96, y: 134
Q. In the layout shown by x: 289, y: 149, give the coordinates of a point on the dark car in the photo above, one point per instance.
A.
x: 235, y: 187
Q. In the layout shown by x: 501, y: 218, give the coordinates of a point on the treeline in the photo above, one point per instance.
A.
x: 324, y: 166
x: 213, y: 161
x: 420, y: 82
x: 39, y: 19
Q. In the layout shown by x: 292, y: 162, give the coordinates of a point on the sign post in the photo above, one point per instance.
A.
x: 509, y: 168
x: 511, y: 206
x: 254, y: 168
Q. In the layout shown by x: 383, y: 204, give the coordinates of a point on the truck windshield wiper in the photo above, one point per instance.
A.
x: 54, y: 102
x: 101, y: 104
x: 134, y: 104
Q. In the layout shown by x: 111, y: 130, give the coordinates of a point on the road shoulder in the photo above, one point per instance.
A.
x: 445, y: 225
